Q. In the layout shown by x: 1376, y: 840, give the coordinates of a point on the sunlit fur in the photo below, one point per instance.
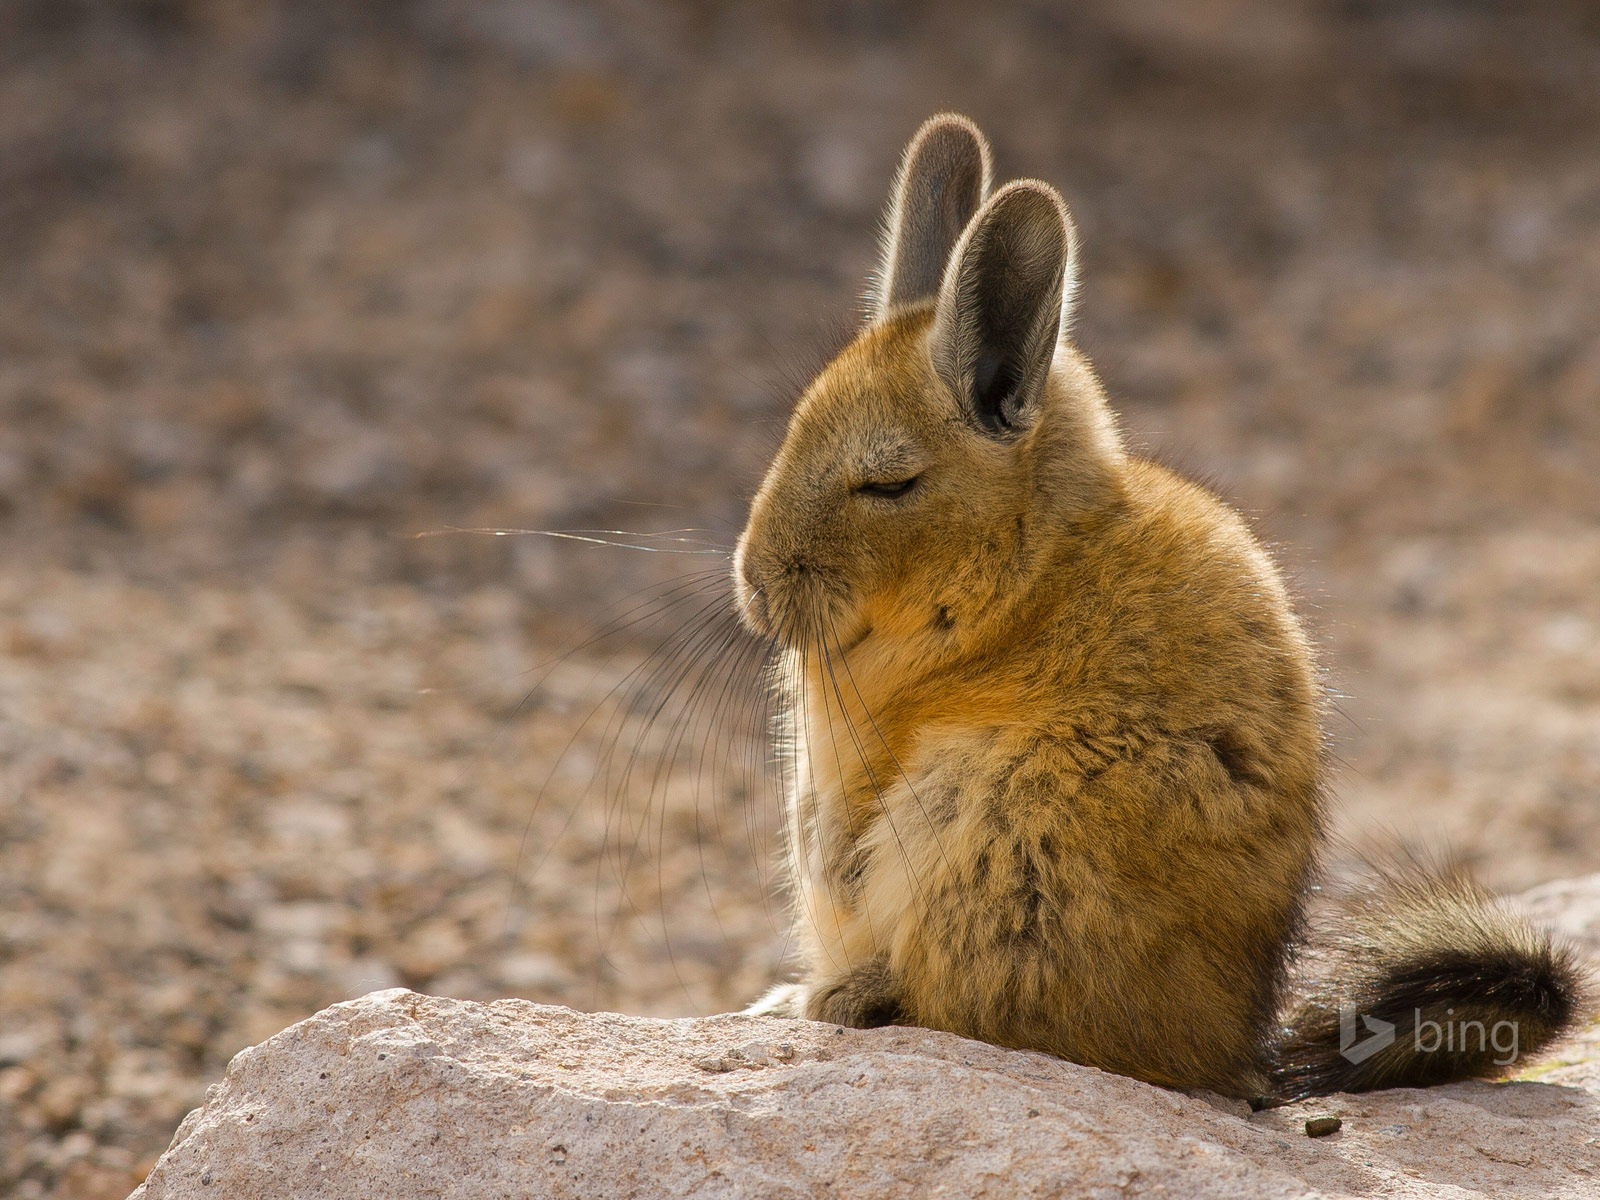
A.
x: 1053, y: 729
x: 1059, y: 764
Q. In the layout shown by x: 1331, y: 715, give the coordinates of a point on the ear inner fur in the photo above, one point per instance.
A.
x: 999, y: 313
x: 943, y: 178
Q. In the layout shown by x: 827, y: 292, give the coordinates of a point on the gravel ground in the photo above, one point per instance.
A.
x: 284, y: 285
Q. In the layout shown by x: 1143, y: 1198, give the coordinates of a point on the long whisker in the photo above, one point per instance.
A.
x: 682, y: 656
x: 676, y: 704
x: 689, y: 663
x: 772, y: 757
x: 662, y: 599
x: 872, y: 782
x: 703, y: 548
x: 798, y: 835
x: 719, y: 656
x: 758, y: 764
x: 737, y: 654
x: 668, y: 667
x: 685, y: 658
x: 933, y: 826
x: 686, y: 589
x: 709, y: 653
x: 608, y: 623
x: 877, y: 790
x: 646, y: 667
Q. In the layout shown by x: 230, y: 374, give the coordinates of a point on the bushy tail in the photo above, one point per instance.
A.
x: 1424, y: 979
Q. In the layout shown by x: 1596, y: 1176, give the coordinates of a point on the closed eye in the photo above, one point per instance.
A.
x: 889, y: 488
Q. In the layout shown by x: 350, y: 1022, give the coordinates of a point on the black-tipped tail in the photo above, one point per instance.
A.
x: 1426, y: 980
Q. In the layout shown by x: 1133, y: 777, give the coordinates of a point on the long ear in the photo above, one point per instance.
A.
x: 943, y: 178
x: 1002, y: 305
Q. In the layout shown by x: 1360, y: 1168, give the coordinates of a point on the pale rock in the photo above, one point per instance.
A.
x: 404, y: 1096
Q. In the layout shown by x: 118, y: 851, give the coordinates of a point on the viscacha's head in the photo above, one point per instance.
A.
x: 935, y: 463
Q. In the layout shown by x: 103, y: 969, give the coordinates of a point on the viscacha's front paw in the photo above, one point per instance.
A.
x: 864, y: 998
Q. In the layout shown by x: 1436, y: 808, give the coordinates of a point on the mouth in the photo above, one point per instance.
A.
x: 800, y: 607
x: 845, y: 648
x: 808, y: 637
x: 798, y: 622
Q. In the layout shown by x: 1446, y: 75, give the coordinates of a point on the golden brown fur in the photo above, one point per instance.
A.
x: 1054, y: 729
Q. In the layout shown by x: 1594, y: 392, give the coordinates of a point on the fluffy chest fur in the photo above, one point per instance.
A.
x: 1056, y: 828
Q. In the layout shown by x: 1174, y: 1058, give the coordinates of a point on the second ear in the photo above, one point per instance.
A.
x: 943, y: 179
x: 999, y: 314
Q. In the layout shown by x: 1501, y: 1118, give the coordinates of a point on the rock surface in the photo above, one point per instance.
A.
x: 403, y: 1095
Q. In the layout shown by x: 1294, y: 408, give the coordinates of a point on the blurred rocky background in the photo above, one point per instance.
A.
x: 283, y: 285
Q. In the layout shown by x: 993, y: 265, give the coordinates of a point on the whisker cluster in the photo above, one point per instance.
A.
x: 676, y: 740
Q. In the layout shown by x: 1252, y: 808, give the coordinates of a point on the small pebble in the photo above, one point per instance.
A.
x: 1323, y: 1126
